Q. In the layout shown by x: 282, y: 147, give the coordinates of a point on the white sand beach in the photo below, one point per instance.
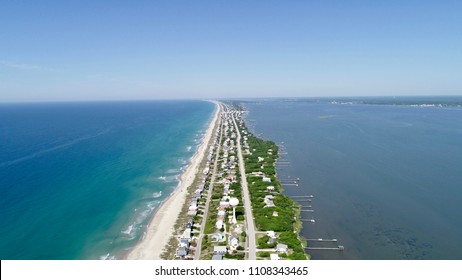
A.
x: 161, y: 226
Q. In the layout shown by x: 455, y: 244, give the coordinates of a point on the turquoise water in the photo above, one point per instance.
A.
x: 80, y: 180
x: 386, y: 178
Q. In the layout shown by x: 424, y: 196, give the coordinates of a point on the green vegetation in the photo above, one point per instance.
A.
x: 236, y: 256
x: 263, y: 243
x: 264, y: 254
x: 271, y: 210
x: 279, y: 218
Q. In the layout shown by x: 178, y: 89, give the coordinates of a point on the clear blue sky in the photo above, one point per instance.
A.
x: 87, y: 50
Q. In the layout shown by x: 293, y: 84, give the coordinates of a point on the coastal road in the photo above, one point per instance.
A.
x: 210, y: 190
x: 245, y: 191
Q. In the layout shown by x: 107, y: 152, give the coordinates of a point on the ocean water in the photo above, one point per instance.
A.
x: 80, y: 180
x: 386, y: 173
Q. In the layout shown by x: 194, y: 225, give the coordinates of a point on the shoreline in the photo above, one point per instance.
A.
x: 292, y: 232
x: 161, y: 226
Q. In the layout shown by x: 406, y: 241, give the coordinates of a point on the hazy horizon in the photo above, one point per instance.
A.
x: 224, y: 99
x: 111, y: 50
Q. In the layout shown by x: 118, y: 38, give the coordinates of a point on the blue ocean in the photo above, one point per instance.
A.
x: 385, y: 173
x: 81, y: 180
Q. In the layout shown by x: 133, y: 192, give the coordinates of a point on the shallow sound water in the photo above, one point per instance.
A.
x: 385, y: 173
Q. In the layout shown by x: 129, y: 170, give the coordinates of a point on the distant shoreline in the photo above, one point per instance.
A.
x: 161, y: 226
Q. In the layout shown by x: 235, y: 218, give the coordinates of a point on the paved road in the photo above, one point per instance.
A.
x: 210, y: 190
x: 245, y: 191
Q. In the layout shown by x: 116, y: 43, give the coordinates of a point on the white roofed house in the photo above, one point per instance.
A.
x: 219, y: 224
x: 184, y: 242
x: 274, y: 257
x: 221, y: 213
x: 258, y: 173
x: 224, y: 204
x: 269, y: 204
x: 269, y: 201
x: 220, y: 250
x: 194, y: 201
x: 217, y: 257
x: 218, y: 236
x: 197, y: 194
x: 182, y: 252
x: 186, y: 234
x: 281, y: 248
x: 233, y: 242
x: 272, y: 240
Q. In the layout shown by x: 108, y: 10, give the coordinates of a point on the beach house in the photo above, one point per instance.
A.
x: 219, y: 224
x: 266, y: 179
x: 186, y: 234
x: 281, y: 248
x: 220, y: 250
x: 233, y: 242
x: 274, y: 257
x: 182, y: 252
x: 218, y: 236
x: 217, y: 257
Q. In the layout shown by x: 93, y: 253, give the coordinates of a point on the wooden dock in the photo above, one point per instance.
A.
x: 321, y: 240
x: 338, y: 248
x: 302, y: 200
x: 324, y: 240
x: 289, y: 185
x: 290, y: 182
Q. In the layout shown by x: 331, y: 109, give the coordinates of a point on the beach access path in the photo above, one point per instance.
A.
x: 161, y: 226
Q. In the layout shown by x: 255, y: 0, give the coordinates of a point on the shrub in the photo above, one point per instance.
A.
x: 264, y: 254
